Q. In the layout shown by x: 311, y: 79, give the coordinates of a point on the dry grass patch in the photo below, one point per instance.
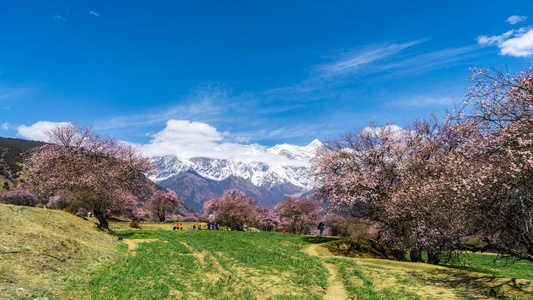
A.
x: 134, y: 244
x: 43, y: 251
x: 431, y: 281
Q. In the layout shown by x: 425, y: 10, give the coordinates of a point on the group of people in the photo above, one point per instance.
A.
x: 177, y: 227
x: 213, y: 226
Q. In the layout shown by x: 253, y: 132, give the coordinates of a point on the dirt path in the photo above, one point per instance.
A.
x: 335, y: 287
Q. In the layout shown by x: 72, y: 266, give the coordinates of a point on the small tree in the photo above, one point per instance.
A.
x: 19, y: 197
x: 162, y: 203
x: 268, y: 220
x: 298, y: 216
x: 234, y: 209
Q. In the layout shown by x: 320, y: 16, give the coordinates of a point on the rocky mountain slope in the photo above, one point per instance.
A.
x: 12, y: 152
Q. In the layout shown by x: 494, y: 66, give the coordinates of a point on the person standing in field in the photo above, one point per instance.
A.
x: 193, y: 226
x: 321, y: 227
x: 181, y: 226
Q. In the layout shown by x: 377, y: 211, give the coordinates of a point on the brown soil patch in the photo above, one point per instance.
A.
x: 134, y: 244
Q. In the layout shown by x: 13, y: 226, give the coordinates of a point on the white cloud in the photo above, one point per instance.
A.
x: 59, y: 17
x: 187, y: 139
x: 519, y: 46
x: 5, y: 126
x: 93, y: 13
x: 206, y: 104
x: 517, y: 43
x: 37, y: 131
x: 355, y: 60
x: 494, y: 40
x: 391, y: 129
x: 10, y: 93
x: 515, y: 19
x: 420, y: 101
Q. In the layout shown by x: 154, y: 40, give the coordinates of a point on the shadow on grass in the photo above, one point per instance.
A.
x: 318, y: 239
x: 489, y: 286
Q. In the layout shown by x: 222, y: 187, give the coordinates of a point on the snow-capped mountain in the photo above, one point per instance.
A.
x: 292, y: 167
x: 266, y: 174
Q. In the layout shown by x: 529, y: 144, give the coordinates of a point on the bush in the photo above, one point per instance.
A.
x: 354, y: 229
x: 19, y: 197
x: 135, y: 224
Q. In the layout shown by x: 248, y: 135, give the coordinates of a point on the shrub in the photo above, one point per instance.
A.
x: 356, y: 229
x: 19, y: 197
x: 135, y: 224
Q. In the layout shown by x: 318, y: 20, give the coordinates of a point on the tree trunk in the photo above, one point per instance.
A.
x: 434, y: 257
x: 103, y: 224
x: 398, y: 254
x: 416, y: 255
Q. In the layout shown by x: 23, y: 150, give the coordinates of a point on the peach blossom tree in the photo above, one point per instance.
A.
x: 95, y: 169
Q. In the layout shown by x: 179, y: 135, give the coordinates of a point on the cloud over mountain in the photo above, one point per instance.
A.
x: 186, y: 139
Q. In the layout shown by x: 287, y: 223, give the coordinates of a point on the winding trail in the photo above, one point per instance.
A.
x: 335, y: 289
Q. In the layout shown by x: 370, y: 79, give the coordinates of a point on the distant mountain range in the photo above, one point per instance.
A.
x: 199, y: 179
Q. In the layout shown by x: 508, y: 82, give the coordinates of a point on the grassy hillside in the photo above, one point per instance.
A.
x: 49, y: 253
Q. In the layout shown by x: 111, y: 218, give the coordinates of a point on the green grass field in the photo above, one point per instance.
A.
x: 166, y: 264
x: 214, y: 264
x: 493, y: 265
x: 59, y: 256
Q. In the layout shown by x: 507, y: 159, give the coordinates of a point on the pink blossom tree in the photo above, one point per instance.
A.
x: 500, y: 106
x: 268, y: 220
x: 440, y: 182
x: 394, y: 178
x: 162, y: 203
x: 235, y: 209
x: 19, y: 197
x: 90, y: 166
x: 298, y: 216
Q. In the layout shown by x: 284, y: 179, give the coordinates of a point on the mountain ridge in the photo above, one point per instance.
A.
x: 198, y: 179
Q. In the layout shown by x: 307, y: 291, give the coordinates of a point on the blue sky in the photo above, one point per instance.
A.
x: 246, y: 72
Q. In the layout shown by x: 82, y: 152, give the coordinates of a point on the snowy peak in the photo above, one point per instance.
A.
x: 293, y: 152
x: 290, y: 167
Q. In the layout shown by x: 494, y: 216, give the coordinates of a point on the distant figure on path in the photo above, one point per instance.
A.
x: 199, y: 226
x: 193, y: 226
x: 321, y: 227
x: 173, y: 227
x: 181, y: 226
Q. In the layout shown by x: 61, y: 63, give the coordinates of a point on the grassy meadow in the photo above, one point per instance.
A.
x: 59, y: 256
